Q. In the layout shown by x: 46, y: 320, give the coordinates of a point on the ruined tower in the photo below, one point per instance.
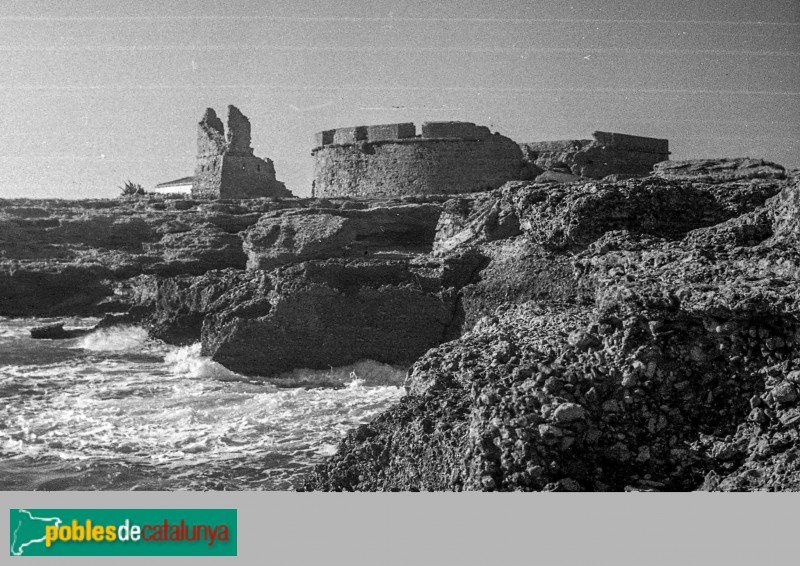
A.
x: 226, y: 166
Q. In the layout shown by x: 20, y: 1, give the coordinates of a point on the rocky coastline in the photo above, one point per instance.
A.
x: 619, y: 334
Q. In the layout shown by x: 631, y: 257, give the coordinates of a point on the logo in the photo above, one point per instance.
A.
x: 123, y: 532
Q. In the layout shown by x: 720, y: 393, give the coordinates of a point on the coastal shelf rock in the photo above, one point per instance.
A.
x: 672, y: 365
x: 603, y: 334
x: 286, y: 237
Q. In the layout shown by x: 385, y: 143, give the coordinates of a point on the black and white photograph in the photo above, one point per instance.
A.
x: 400, y: 246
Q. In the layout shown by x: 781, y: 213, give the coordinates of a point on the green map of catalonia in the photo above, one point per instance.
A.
x: 28, y: 529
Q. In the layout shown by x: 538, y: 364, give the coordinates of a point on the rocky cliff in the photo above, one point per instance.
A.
x: 640, y: 334
x: 648, y: 341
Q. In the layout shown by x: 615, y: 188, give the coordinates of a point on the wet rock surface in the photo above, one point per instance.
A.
x: 322, y: 313
x: 55, y: 331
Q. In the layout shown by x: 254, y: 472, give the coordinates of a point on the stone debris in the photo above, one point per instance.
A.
x: 605, y: 154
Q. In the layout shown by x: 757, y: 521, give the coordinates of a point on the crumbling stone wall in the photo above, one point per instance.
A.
x: 606, y: 154
x: 461, y: 157
x: 390, y: 159
x: 211, y: 145
x: 226, y: 167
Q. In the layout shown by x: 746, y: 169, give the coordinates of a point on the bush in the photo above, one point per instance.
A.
x: 130, y: 189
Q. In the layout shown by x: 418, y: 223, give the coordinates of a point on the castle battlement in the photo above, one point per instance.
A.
x: 402, y: 133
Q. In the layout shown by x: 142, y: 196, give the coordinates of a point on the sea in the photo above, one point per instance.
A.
x: 116, y: 410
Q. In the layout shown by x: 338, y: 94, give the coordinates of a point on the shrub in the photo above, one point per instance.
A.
x: 130, y: 189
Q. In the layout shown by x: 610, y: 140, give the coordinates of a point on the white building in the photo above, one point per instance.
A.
x: 177, y: 187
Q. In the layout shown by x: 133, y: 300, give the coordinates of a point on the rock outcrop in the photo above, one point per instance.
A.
x: 75, y: 257
x: 664, y: 359
x: 319, y: 314
x: 56, y: 331
x: 281, y: 238
x: 730, y: 169
x: 639, y: 334
x: 382, y: 299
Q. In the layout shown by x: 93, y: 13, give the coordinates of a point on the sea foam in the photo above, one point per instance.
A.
x: 188, y: 361
x: 359, y: 374
x: 124, y: 338
x: 117, y: 410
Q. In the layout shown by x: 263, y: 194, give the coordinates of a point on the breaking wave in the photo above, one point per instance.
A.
x: 117, y: 410
x: 188, y: 361
x: 363, y: 373
x: 116, y: 339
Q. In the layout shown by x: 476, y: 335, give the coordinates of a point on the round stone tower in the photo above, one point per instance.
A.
x: 392, y: 160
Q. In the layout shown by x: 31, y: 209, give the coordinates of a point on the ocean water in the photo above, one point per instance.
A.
x: 116, y: 410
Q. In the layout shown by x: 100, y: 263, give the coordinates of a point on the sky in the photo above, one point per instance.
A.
x: 97, y: 92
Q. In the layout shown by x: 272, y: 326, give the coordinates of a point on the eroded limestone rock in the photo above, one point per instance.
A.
x: 281, y: 238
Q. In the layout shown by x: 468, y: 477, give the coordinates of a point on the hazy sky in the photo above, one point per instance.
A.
x: 93, y: 93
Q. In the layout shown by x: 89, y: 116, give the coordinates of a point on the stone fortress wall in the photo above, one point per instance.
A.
x: 392, y: 160
x: 226, y: 166
x: 606, y: 154
x: 461, y: 157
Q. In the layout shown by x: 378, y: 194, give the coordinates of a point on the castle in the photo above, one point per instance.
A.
x: 226, y: 166
x: 460, y: 157
x: 390, y: 160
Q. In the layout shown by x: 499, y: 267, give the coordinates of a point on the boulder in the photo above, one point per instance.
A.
x: 195, y: 251
x: 53, y: 331
x: 56, y: 331
x: 173, y: 308
x: 320, y: 314
x: 557, y: 177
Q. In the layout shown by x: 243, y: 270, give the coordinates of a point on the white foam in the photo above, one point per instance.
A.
x: 356, y: 382
x: 327, y: 449
x: 188, y: 361
x: 121, y: 338
x: 176, y: 410
x: 15, y: 332
x: 362, y: 373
